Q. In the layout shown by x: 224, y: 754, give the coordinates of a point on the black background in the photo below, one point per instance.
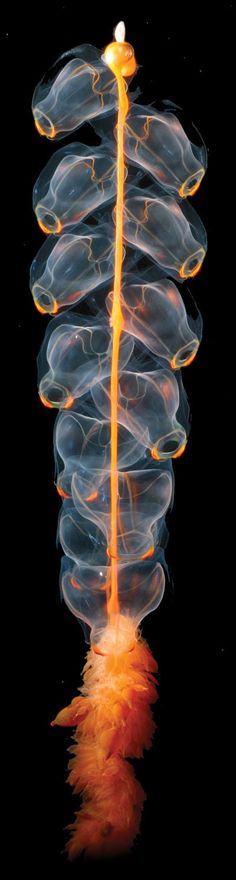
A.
x: 179, y: 49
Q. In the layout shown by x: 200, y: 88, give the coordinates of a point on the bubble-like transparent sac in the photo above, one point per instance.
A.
x: 147, y: 407
x: 161, y: 229
x: 158, y: 143
x: 66, y: 269
x: 86, y: 591
x: 81, y: 543
x: 155, y: 314
x: 143, y: 499
x: 78, y: 357
x: 76, y: 89
x: 84, y: 443
x: 76, y: 180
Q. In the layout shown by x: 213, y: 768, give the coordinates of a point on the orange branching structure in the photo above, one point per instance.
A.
x: 115, y: 377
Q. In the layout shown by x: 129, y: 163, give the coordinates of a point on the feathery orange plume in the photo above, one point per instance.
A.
x: 113, y: 722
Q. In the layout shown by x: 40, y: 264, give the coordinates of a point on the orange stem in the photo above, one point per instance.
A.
x: 117, y: 324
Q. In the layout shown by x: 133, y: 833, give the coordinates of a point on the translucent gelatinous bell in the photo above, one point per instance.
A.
x: 143, y: 499
x: 147, y: 406
x: 78, y: 357
x: 155, y: 314
x: 86, y: 589
x: 84, y: 442
x: 78, y: 87
x: 159, y: 228
x: 75, y: 181
x: 158, y: 143
x: 66, y: 269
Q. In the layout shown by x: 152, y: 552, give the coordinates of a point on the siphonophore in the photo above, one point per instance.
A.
x: 121, y: 237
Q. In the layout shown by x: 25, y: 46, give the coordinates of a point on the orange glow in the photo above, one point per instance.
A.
x: 186, y: 189
x: 42, y: 132
x: 155, y: 454
x: 148, y: 553
x: 186, y: 363
x: 120, y: 58
x: 92, y: 496
x: 43, y: 311
x: 104, y: 587
x: 49, y: 231
x: 75, y: 584
x: 61, y: 492
x: 190, y: 192
x: 180, y: 451
x: 110, y: 554
x: 72, y: 297
x: 45, y: 401
x: 192, y: 274
x: 69, y: 402
x: 67, y: 405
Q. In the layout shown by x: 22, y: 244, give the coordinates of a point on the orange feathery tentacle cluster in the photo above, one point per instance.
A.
x: 113, y: 721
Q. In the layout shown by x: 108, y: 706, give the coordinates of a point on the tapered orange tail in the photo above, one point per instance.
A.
x: 113, y: 722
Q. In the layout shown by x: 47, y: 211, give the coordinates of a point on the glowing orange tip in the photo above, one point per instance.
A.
x: 189, y: 192
x: 47, y: 229
x: 68, y: 403
x: 43, y: 311
x: 61, y: 492
x: 43, y: 133
x: 180, y: 451
x: 186, y: 363
x: 184, y: 274
x: 119, y: 55
x: 45, y: 401
x: 155, y: 454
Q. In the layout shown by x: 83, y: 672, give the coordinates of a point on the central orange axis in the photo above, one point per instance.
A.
x: 117, y: 325
x: 119, y: 56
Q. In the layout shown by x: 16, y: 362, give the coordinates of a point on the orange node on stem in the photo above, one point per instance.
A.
x: 111, y: 554
x: 120, y: 57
